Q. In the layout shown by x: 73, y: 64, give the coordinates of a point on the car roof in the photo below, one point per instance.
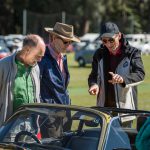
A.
x: 108, y: 111
x: 107, y: 116
x: 112, y: 110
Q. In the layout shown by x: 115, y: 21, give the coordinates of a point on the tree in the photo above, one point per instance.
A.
x: 132, y: 16
x: 6, y: 17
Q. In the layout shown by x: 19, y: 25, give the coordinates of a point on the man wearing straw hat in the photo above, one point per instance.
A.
x: 53, y: 67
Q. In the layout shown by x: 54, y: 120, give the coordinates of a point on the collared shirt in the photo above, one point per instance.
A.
x: 23, y: 87
x: 59, y: 59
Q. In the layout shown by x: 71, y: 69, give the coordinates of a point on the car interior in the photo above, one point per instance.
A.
x: 84, y: 133
x: 65, y: 129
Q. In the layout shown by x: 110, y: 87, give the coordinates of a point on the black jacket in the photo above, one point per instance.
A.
x: 130, y: 67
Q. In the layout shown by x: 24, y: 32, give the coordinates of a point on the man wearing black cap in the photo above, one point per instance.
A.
x: 117, y: 68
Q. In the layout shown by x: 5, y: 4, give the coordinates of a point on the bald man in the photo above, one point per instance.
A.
x: 19, y: 76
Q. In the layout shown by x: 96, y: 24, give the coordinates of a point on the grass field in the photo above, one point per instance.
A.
x: 78, y: 87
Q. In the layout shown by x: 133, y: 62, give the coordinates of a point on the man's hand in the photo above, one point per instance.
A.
x: 94, y: 89
x: 116, y: 78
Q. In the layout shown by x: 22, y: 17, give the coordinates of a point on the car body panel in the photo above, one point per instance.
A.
x: 43, y: 126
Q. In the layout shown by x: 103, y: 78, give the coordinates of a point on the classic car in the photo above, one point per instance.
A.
x: 61, y: 127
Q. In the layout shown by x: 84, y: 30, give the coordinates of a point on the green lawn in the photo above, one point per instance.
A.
x: 78, y: 87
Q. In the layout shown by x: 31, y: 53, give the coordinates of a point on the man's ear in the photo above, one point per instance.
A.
x: 26, y: 50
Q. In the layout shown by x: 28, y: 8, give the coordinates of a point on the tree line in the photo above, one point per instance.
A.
x: 132, y: 16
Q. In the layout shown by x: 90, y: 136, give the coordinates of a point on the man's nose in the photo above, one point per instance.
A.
x: 109, y: 44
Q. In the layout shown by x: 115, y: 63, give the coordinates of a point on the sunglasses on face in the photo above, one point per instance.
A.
x: 65, y: 42
x: 110, y: 40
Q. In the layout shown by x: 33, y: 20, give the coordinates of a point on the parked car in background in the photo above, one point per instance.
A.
x: 4, y: 51
x: 49, y: 127
x: 2, y: 41
x: 140, y: 41
x: 84, y: 55
x: 14, y: 41
x: 85, y: 39
x: 145, y: 48
x: 91, y: 37
x: 136, y: 39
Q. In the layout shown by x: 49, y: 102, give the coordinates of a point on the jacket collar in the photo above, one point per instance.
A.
x: 48, y: 54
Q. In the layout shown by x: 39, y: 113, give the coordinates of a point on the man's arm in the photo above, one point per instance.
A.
x: 93, y: 77
x: 137, y: 72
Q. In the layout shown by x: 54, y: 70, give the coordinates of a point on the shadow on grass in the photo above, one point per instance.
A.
x: 75, y: 66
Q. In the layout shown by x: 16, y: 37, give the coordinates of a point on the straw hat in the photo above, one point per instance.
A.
x: 64, y: 31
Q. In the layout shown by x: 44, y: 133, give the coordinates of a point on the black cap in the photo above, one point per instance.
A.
x: 109, y: 29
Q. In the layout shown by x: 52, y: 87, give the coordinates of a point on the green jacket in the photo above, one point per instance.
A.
x: 143, y: 137
x: 8, y: 70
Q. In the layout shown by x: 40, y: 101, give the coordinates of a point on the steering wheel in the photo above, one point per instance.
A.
x: 27, y: 133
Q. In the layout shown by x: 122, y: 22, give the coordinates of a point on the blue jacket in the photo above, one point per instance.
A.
x: 53, y: 85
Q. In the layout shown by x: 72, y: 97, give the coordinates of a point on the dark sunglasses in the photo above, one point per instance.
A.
x: 110, y: 40
x: 65, y: 42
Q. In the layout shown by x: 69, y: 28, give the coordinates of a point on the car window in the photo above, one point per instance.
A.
x: 51, y: 124
x: 87, y: 121
x: 22, y: 123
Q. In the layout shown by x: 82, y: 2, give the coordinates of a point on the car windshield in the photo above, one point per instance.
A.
x: 50, y: 125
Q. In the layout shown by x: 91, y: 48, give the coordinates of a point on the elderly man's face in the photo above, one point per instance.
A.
x: 35, y: 54
x: 112, y: 43
x: 60, y: 45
